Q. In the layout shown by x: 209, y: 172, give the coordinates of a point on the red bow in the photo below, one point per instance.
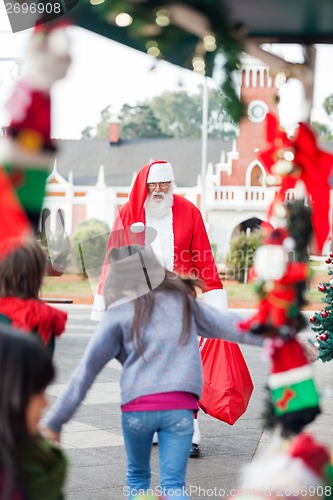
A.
x: 310, y: 164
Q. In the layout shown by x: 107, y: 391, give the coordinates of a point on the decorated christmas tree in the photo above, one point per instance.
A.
x: 322, y: 322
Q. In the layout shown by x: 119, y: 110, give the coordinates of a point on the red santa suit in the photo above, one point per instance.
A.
x: 182, y: 241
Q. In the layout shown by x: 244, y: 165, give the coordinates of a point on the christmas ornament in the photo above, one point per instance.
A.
x: 294, y: 158
x: 27, y: 151
x: 297, y: 467
x: 14, y: 221
x: 322, y: 322
x: 278, y: 308
x: 294, y: 395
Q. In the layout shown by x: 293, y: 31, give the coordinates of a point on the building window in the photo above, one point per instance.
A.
x: 60, y: 221
x: 45, y: 222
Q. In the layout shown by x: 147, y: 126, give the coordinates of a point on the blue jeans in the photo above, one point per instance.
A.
x: 175, y: 430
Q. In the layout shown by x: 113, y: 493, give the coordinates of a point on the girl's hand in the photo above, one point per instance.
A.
x: 50, y: 435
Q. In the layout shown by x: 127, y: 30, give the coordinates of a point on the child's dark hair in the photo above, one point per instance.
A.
x: 22, y: 270
x: 26, y: 370
x: 136, y: 274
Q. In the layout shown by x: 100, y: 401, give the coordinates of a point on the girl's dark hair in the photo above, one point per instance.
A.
x: 26, y: 369
x: 22, y: 270
x: 136, y: 274
x: 172, y: 283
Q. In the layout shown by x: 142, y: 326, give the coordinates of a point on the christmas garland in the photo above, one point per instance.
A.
x: 159, y: 29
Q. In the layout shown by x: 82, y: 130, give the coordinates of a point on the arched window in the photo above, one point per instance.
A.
x: 45, y: 222
x: 60, y: 221
x: 256, y: 176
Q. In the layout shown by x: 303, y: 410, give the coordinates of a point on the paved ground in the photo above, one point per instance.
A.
x: 94, y: 443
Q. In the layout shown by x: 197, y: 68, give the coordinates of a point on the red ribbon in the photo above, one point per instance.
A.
x: 313, y: 167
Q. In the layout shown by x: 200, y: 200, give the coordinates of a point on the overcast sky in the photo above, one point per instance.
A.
x: 107, y: 73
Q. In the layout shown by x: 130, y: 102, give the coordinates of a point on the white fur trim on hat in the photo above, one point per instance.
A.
x: 160, y: 172
x: 216, y: 298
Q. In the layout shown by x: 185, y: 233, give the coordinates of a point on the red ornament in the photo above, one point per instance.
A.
x: 331, y: 255
x: 324, y: 314
x: 328, y: 261
x: 312, y: 319
x: 323, y: 336
x: 322, y: 288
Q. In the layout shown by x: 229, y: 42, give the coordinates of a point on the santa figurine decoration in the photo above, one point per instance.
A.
x: 295, y: 468
x: 277, y: 277
x: 27, y: 151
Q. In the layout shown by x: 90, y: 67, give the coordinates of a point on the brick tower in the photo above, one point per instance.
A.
x: 257, y: 93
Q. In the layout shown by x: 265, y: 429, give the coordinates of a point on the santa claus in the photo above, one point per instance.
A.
x: 182, y: 243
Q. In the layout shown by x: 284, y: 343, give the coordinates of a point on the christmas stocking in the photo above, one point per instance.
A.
x: 295, y: 397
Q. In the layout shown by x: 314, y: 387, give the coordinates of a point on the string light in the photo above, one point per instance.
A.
x: 199, y: 65
x: 162, y: 18
x: 210, y: 43
x: 123, y: 19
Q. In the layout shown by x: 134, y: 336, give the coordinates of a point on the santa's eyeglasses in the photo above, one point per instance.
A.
x: 153, y: 185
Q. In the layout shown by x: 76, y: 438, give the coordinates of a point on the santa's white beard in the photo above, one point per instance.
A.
x: 157, y: 207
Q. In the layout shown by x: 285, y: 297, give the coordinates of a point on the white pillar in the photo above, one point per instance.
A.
x: 204, y: 136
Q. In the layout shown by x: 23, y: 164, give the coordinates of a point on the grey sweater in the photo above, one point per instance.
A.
x: 165, y: 366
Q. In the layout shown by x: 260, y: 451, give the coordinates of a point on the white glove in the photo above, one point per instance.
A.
x: 216, y: 298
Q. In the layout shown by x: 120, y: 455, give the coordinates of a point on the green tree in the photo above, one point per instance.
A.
x: 88, y: 133
x: 324, y: 133
x: 88, y: 246
x: 240, y: 258
x: 322, y: 322
x: 180, y: 115
x: 328, y: 106
x: 171, y: 114
x: 139, y: 121
x: 102, y: 128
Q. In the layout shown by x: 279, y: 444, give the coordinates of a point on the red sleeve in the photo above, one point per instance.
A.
x: 59, y: 322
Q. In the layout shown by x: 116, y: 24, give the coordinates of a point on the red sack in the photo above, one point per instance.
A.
x: 227, y: 385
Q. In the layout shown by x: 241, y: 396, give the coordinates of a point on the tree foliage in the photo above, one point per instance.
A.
x: 240, y: 258
x: 328, y: 106
x: 88, y: 246
x: 322, y: 322
x: 171, y: 114
x: 323, y: 131
x: 140, y: 121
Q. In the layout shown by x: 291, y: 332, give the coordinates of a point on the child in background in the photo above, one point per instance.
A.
x: 31, y: 468
x: 22, y: 268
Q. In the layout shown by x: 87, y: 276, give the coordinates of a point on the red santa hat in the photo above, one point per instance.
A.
x: 160, y: 172
x: 303, y: 464
x: 138, y: 195
x: 313, y: 454
x: 280, y: 236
